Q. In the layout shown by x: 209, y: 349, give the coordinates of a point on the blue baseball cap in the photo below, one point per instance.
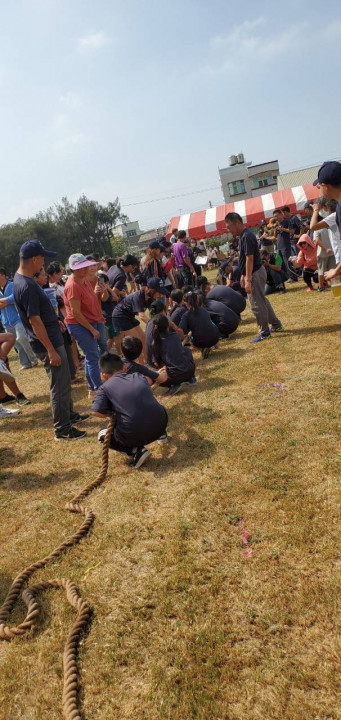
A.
x: 155, y: 283
x: 329, y: 173
x: 34, y: 248
x: 155, y: 245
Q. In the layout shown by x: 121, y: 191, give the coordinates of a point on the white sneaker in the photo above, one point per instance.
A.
x: 5, y: 374
x: 4, y: 413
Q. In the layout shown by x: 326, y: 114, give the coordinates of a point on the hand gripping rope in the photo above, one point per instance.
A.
x: 71, y: 710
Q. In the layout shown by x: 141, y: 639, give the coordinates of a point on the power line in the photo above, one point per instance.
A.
x: 170, y: 197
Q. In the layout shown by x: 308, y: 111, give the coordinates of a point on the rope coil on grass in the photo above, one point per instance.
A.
x: 71, y: 710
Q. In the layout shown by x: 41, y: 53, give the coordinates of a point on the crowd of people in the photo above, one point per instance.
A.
x: 90, y: 321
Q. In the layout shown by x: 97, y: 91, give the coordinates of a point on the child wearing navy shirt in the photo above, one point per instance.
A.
x: 169, y: 352
x: 139, y: 418
x: 197, y: 320
x: 178, y: 308
x: 132, y: 349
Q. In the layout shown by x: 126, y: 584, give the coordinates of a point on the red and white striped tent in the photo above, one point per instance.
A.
x: 210, y: 222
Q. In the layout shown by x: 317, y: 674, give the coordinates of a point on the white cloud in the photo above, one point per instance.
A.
x: 70, y: 100
x: 333, y: 30
x: 68, y: 142
x: 251, y: 43
x: 92, y: 42
x: 60, y: 121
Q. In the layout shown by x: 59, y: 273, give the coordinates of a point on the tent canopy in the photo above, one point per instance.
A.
x: 210, y: 222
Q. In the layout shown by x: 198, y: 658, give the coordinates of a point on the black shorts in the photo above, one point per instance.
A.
x: 121, y: 324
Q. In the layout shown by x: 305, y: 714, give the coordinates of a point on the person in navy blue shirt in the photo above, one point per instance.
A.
x: 139, y: 418
x: 252, y: 269
x: 197, y: 321
x: 329, y: 182
x: 124, y: 314
x: 43, y: 328
x: 168, y: 352
x: 131, y: 351
x: 178, y: 308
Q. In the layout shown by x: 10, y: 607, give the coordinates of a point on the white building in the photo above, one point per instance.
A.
x: 241, y: 179
x: 129, y: 231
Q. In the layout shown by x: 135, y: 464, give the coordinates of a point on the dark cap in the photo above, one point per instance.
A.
x: 329, y: 173
x: 307, y: 205
x: 155, y: 283
x: 34, y: 248
x: 155, y: 245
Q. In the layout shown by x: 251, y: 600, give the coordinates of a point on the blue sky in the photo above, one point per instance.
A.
x: 143, y: 100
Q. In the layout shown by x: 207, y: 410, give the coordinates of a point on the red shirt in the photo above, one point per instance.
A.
x: 89, y: 303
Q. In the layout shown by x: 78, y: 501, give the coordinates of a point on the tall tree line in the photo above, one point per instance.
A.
x: 85, y: 227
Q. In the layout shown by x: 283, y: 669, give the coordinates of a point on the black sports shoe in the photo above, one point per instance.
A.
x: 73, y: 434
x: 22, y: 400
x: 81, y: 418
x: 7, y: 399
x: 140, y: 457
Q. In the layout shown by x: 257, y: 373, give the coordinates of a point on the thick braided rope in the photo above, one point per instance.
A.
x: 70, y: 690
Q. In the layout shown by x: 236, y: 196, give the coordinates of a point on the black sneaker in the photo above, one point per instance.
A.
x: 81, y: 418
x: 7, y: 399
x: 140, y: 457
x: 22, y: 400
x: 73, y: 434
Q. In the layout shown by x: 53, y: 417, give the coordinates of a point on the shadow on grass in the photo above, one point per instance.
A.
x: 315, y: 330
x: 189, y: 440
x: 28, y: 480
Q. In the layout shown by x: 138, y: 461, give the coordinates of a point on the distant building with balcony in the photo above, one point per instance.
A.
x: 242, y: 180
x: 129, y: 231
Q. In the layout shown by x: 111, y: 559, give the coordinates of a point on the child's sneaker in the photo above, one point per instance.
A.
x: 163, y: 439
x: 278, y: 329
x: 172, y: 390
x: 192, y: 381
x: 22, y: 400
x: 4, y: 413
x: 140, y: 457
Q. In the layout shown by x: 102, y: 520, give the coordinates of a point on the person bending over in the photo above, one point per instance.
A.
x: 139, y: 418
x: 131, y: 351
x: 170, y: 355
x: 223, y: 317
x: 197, y: 321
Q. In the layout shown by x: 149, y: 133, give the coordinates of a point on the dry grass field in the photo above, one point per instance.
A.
x: 192, y: 617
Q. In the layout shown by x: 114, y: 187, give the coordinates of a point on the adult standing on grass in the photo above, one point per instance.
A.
x: 186, y: 272
x: 42, y: 325
x: 252, y: 268
x: 12, y: 323
x: 84, y: 316
x: 329, y: 182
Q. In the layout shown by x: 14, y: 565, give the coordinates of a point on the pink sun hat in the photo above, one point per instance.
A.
x: 77, y: 261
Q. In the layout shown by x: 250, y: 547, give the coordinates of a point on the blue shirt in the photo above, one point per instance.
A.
x: 231, y: 298
x: 117, y: 277
x: 131, y: 305
x: 140, y: 419
x: 204, y: 331
x: 9, y: 315
x: 248, y: 245
x: 31, y: 300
